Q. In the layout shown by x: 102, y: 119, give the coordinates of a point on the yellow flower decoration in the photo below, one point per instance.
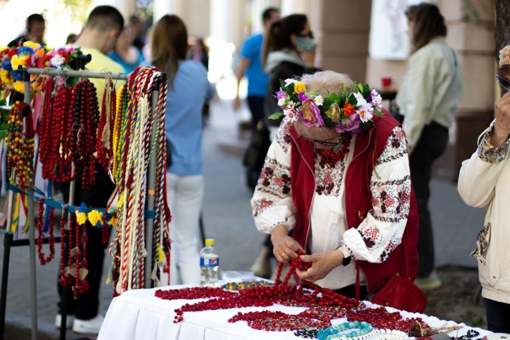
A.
x: 112, y: 221
x: 31, y: 44
x: 299, y: 87
x: 81, y: 218
x: 18, y: 61
x: 161, y: 254
x: 95, y: 217
x: 19, y: 86
x: 6, y: 77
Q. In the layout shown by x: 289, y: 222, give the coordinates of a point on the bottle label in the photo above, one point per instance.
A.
x: 209, y: 262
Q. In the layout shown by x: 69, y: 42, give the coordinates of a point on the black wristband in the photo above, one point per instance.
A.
x: 346, y: 260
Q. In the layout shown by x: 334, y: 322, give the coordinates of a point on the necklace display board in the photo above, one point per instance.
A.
x: 148, y: 174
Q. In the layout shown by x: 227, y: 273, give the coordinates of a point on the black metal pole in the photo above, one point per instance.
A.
x: 5, y: 275
x: 65, y: 290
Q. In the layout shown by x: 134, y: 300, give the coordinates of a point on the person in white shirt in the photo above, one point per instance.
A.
x: 427, y: 100
x: 484, y: 182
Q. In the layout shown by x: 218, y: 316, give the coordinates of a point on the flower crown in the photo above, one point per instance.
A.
x: 349, y: 111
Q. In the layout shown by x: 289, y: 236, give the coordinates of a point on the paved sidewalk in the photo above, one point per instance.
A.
x: 227, y: 218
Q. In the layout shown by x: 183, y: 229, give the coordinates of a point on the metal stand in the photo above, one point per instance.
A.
x: 10, y: 242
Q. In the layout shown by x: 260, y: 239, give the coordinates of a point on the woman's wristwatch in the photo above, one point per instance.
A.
x: 347, y: 256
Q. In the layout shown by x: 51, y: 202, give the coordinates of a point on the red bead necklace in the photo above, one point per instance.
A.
x: 64, y: 279
x: 380, y: 318
x: 330, y: 156
x: 51, y: 242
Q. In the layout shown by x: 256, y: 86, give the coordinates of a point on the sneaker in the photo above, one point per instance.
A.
x: 69, y: 321
x: 430, y: 282
x: 262, y: 268
x: 91, y: 326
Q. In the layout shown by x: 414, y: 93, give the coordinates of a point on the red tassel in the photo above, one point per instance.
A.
x: 106, y: 233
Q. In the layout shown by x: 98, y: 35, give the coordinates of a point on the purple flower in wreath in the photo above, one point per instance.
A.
x: 351, y: 125
x: 282, y: 95
x: 310, y: 113
x: 302, y: 96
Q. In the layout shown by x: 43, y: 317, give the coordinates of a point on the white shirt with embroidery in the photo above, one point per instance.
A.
x: 374, y: 239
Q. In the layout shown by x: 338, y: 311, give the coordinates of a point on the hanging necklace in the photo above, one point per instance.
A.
x: 51, y: 242
x: 20, y: 145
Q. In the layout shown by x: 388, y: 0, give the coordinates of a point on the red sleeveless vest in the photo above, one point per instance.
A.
x: 369, y: 145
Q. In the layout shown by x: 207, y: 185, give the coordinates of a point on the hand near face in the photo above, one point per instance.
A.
x: 502, y: 122
x: 322, y: 264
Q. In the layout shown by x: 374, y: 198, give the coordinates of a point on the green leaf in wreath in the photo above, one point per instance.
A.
x: 276, y: 115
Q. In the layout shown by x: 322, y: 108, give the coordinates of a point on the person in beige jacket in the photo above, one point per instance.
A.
x: 427, y: 100
x: 484, y: 181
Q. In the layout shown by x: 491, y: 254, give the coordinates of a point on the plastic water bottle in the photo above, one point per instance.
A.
x: 209, y: 265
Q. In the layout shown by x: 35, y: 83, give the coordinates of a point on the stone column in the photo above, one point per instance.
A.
x: 471, y: 34
x: 341, y: 28
x: 161, y: 8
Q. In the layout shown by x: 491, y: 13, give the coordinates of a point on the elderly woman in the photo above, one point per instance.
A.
x: 337, y: 176
x: 484, y: 182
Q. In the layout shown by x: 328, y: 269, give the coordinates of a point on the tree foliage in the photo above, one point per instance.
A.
x: 77, y: 9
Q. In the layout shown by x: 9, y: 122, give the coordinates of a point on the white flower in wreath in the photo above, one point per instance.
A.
x: 319, y: 100
x: 359, y: 99
x: 57, y: 60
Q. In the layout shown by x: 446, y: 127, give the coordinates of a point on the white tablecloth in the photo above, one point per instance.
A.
x: 139, y: 315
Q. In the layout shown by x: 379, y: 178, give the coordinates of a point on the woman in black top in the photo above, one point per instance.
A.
x: 289, y: 52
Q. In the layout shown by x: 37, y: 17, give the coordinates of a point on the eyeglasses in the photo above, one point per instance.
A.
x: 325, y: 143
x: 504, y: 82
x: 307, y: 35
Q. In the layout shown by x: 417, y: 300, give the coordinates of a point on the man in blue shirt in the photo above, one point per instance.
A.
x: 250, y: 64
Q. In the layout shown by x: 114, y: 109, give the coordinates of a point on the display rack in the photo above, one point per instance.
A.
x: 8, y: 237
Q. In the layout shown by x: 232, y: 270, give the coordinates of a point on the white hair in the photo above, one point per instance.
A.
x: 326, y: 82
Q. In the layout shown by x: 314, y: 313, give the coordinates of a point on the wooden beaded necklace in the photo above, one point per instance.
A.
x: 20, y: 145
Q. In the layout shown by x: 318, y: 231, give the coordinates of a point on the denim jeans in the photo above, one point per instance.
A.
x: 432, y: 143
x: 498, y: 316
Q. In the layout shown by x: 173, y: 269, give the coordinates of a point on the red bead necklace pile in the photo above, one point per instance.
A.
x: 261, y: 296
x: 380, y: 318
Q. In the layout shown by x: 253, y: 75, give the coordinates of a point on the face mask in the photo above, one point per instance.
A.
x: 305, y: 44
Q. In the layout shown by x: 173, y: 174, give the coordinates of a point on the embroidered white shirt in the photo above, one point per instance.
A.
x: 374, y: 239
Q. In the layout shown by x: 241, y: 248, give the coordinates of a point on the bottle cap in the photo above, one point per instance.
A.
x: 209, y: 242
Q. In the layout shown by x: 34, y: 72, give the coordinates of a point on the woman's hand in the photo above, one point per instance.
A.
x: 322, y: 264
x: 308, y: 57
x: 502, y: 122
x: 284, y: 247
